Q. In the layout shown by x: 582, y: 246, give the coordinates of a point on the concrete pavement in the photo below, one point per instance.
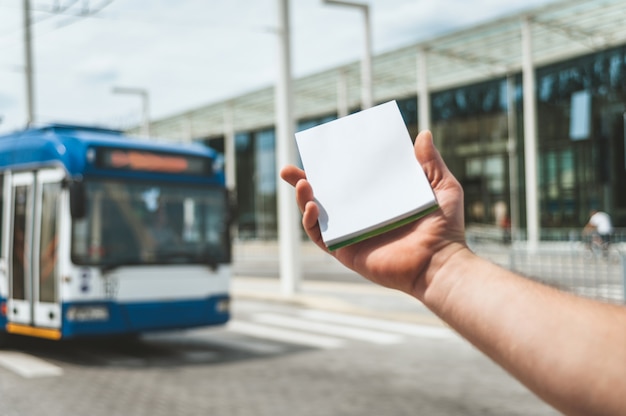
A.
x: 326, y: 284
x: 357, y: 298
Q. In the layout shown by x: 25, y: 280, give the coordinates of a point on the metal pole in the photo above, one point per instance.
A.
x: 188, y: 128
x: 367, y: 89
x: 28, y: 66
x: 288, y: 218
x: 229, y: 148
x: 530, y: 137
x: 230, y: 162
x: 146, y: 113
x: 145, y: 105
x: 342, y: 93
x: 366, y: 66
x: 423, y: 97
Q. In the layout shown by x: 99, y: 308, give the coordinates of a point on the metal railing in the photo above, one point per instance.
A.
x: 569, y: 264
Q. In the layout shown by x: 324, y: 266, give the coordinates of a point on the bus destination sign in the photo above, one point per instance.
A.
x: 139, y: 160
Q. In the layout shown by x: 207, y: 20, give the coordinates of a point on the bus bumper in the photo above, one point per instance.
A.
x: 96, y: 319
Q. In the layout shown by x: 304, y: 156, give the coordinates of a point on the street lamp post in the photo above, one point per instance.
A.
x: 145, y: 103
x: 288, y: 217
x: 28, y: 65
x: 367, y: 99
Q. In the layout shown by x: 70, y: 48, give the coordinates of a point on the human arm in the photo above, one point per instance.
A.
x: 569, y: 351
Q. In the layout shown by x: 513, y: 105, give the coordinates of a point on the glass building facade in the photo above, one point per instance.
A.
x: 470, y: 126
x: 478, y: 128
x: 581, y: 111
x: 256, y: 184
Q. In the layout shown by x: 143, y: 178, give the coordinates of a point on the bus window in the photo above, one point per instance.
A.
x: 190, y: 221
x: 48, y: 242
x: 19, y: 268
x: 150, y: 223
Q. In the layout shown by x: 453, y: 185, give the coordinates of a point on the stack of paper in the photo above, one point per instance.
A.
x: 364, y: 174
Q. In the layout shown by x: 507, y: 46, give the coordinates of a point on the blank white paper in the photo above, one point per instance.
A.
x: 364, y: 173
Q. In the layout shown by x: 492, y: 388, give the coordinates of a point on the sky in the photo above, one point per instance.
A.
x: 190, y: 53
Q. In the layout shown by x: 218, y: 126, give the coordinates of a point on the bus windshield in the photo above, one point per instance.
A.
x: 129, y: 223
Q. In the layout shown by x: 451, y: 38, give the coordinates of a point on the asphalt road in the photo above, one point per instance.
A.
x: 272, y: 359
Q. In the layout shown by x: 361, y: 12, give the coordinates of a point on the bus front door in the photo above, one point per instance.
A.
x: 33, y: 307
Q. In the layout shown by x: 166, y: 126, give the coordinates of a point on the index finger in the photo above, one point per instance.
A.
x: 291, y: 174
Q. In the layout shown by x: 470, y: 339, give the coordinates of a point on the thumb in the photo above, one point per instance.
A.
x: 430, y: 158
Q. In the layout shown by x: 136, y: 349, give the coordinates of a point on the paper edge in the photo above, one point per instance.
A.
x: 339, y: 243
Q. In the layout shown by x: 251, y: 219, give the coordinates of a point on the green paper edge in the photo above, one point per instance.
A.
x: 384, y: 229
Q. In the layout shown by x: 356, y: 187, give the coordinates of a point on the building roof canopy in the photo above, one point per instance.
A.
x: 559, y: 31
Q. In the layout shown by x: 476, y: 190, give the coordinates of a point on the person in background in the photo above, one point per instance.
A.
x: 569, y: 350
x: 599, y: 228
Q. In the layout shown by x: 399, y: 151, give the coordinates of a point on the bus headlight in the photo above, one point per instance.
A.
x: 87, y: 313
x: 222, y: 306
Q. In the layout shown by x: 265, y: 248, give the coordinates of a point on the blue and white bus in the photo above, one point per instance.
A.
x: 104, y: 234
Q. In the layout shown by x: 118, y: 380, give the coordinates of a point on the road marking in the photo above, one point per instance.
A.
x: 422, y: 331
x: 282, y: 335
x: 216, y: 338
x: 256, y: 347
x: 343, y: 331
x: 28, y: 366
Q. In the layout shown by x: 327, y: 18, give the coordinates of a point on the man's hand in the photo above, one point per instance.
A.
x: 409, y: 257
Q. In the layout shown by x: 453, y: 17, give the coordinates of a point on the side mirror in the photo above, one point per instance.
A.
x: 78, y: 199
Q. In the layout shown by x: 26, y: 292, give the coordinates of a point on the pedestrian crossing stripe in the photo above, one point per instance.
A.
x: 343, y: 331
x: 284, y: 335
x: 27, y: 365
x: 309, y: 327
x: 403, y: 328
x: 321, y: 329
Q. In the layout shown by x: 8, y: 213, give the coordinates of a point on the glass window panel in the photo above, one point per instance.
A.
x: 551, y: 179
x: 152, y: 223
x: 242, y: 142
x: 474, y: 167
x: 494, y: 171
x: 245, y: 165
x: 20, y: 269
x: 266, y: 163
x: 568, y: 176
x: 580, y: 115
x: 265, y: 184
x: 48, y: 242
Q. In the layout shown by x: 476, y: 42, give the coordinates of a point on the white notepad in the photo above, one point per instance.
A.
x: 364, y: 174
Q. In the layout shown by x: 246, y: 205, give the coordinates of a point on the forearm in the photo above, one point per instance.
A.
x: 568, y: 350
